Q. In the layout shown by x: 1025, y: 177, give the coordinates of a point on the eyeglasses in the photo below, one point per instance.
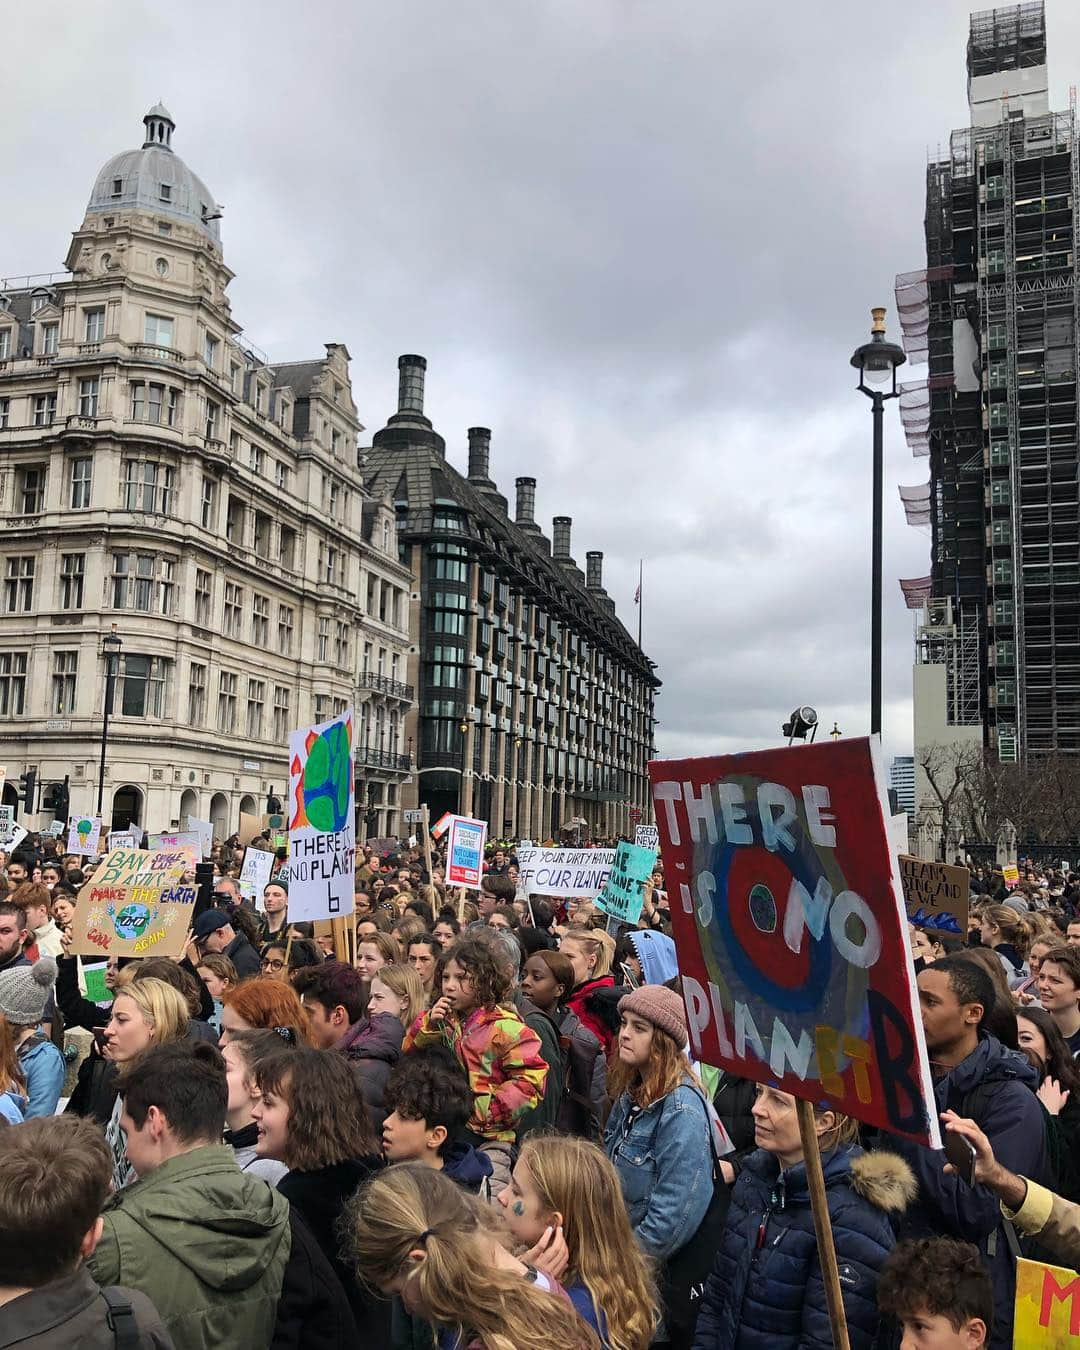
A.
x: 273, y: 965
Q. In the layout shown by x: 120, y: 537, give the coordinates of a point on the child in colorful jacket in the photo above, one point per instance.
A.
x: 498, y: 1051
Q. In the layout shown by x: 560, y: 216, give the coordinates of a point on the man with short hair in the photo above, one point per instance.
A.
x: 335, y: 997
x: 978, y: 1078
x: 227, y: 892
x: 1072, y: 933
x: 494, y: 890
x: 34, y: 899
x: 216, y: 1249
x: 1058, y: 985
x: 213, y: 933
x: 499, y: 864
x: 55, y: 1174
x: 19, y: 868
x: 429, y: 1101
x: 13, y: 935
x: 938, y: 1291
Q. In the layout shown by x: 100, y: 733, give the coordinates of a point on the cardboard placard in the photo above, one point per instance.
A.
x: 84, y: 835
x: 176, y: 839
x: 1011, y: 875
x: 250, y: 828
x: 204, y: 829
x: 791, y: 931
x: 135, y: 904
x: 647, y: 836
x: 322, y: 813
x: 465, y: 852
x: 564, y: 871
x: 1047, y: 1309
x: 936, y: 894
x: 624, y: 891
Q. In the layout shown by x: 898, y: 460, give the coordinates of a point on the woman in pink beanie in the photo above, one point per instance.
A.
x: 659, y: 1133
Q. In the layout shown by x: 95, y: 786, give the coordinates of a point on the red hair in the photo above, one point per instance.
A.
x: 268, y: 1003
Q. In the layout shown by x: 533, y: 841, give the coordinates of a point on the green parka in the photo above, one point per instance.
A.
x: 208, y: 1245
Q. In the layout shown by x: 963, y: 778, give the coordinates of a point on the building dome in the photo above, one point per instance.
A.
x: 156, y: 179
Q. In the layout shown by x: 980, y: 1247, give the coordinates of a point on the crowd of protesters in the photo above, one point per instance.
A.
x: 482, y: 1129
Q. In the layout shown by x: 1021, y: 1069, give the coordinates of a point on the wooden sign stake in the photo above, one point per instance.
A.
x: 461, y: 907
x: 425, y: 834
x: 819, y: 1205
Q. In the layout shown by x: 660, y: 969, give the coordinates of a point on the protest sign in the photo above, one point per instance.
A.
x: 465, y: 852
x: 84, y: 835
x: 381, y: 846
x: 123, y: 839
x: 135, y: 904
x: 647, y: 836
x: 205, y: 830
x: 1047, y: 1311
x: 55, y: 829
x: 93, y: 977
x: 254, y: 875
x: 322, y: 813
x: 936, y: 895
x: 7, y: 815
x: 1011, y: 875
x: 624, y: 891
x: 898, y: 832
x: 184, y: 839
x: 11, y: 840
x: 250, y: 826
x: 791, y: 931
x: 564, y: 871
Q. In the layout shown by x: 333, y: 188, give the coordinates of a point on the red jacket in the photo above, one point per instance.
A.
x: 577, y: 1001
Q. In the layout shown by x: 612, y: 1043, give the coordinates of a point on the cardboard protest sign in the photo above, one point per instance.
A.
x: 1047, y: 1310
x: 564, y: 871
x: 12, y: 840
x: 322, y: 820
x: 184, y: 839
x: 205, y: 830
x: 55, y: 829
x: 465, y: 852
x: 790, y: 928
x: 123, y: 839
x: 384, y: 844
x: 647, y: 836
x: 255, y: 874
x: 84, y: 835
x: 250, y: 826
x: 624, y: 891
x: 1011, y: 875
x: 93, y: 979
x: 135, y: 904
x: 936, y: 894
x: 898, y: 832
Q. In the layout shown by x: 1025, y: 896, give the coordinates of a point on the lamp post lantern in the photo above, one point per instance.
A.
x: 110, y: 646
x: 877, y: 362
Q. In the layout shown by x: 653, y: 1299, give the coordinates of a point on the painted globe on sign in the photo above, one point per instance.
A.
x: 326, y: 780
x: 132, y: 921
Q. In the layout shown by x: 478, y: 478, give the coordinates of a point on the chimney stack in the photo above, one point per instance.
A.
x: 525, y: 514
x: 594, y: 571
x: 411, y: 384
x: 560, y: 536
x: 479, y: 454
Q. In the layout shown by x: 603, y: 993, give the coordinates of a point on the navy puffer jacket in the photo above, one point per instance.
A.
x: 766, y: 1291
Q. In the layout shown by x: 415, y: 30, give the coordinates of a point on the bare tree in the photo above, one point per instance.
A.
x: 949, y: 770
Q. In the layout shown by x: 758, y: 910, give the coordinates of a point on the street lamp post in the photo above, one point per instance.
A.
x: 877, y: 362
x: 110, y: 645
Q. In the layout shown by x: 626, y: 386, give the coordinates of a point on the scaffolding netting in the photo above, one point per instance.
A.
x: 913, y: 307
x: 915, y: 415
x: 916, y: 499
x: 916, y: 591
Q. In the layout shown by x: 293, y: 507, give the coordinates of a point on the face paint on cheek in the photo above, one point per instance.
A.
x: 519, y: 1208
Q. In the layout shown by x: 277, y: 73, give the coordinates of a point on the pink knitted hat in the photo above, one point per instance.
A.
x: 662, y: 1007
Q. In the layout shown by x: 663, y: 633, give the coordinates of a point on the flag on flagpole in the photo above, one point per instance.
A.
x: 637, y: 595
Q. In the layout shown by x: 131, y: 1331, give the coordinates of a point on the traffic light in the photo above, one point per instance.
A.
x: 273, y: 804
x: 28, y: 789
x: 57, y: 799
x: 371, y: 819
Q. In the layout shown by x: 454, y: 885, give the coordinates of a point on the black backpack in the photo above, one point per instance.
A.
x: 121, y: 1319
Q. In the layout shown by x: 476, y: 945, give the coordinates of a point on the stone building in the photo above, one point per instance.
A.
x: 161, y: 479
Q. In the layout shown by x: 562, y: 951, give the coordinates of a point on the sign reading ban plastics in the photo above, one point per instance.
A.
x: 790, y: 927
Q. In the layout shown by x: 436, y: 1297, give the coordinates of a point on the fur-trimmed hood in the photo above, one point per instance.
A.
x: 885, y: 1180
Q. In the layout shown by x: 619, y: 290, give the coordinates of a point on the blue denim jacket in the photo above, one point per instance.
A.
x: 665, y: 1167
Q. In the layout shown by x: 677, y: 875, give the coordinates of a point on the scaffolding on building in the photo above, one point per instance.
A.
x: 949, y: 636
x: 1011, y: 37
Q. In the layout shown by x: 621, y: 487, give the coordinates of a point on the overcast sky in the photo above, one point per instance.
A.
x: 639, y: 239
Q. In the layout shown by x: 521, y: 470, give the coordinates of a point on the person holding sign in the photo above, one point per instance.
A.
x: 767, y: 1289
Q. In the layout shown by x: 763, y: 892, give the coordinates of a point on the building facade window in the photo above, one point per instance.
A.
x: 226, y: 712
x: 142, y: 691
x: 50, y: 339
x: 234, y: 521
x: 155, y: 403
x: 88, y: 396
x: 341, y: 645
x: 82, y: 471
x: 65, y: 676
x: 281, y: 476
x: 287, y: 548
x: 143, y: 582
x: 30, y: 489
x: 5, y: 413
x: 196, y: 708
x: 202, y: 597
x: 256, y: 699
x: 19, y: 585
x: 260, y: 620
x: 210, y: 351
x: 323, y: 646
x: 12, y: 683
x: 149, y: 486
x: 263, y: 533
x: 72, y: 572
x: 213, y: 419
x: 282, y: 718
x: 44, y: 410
x: 93, y: 325
x: 5, y: 343
x: 232, y: 613
x: 209, y: 502
x: 285, y: 629
x: 158, y: 331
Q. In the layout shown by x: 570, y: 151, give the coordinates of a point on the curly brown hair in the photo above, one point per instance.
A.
x: 328, y: 1119
x: 485, y: 966
x: 939, y: 1276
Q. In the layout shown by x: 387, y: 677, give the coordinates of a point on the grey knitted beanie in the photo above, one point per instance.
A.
x: 25, y: 990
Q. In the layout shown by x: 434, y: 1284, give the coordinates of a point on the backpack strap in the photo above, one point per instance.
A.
x: 121, y: 1319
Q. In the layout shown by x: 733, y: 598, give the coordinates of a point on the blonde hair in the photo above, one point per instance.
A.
x: 594, y: 942
x: 410, y: 1207
x: 1010, y: 925
x: 407, y: 985
x: 576, y: 1179
x: 162, y: 1007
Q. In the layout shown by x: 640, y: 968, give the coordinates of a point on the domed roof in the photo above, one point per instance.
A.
x: 156, y: 179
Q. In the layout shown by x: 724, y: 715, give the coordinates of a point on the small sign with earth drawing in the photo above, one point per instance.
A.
x: 321, y: 809
x: 136, y: 904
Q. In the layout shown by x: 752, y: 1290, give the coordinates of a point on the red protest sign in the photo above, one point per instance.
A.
x: 790, y: 928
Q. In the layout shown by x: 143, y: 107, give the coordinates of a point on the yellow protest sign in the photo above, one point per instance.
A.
x: 1047, y: 1315
x: 1011, y: 874
x: 135, y: 904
